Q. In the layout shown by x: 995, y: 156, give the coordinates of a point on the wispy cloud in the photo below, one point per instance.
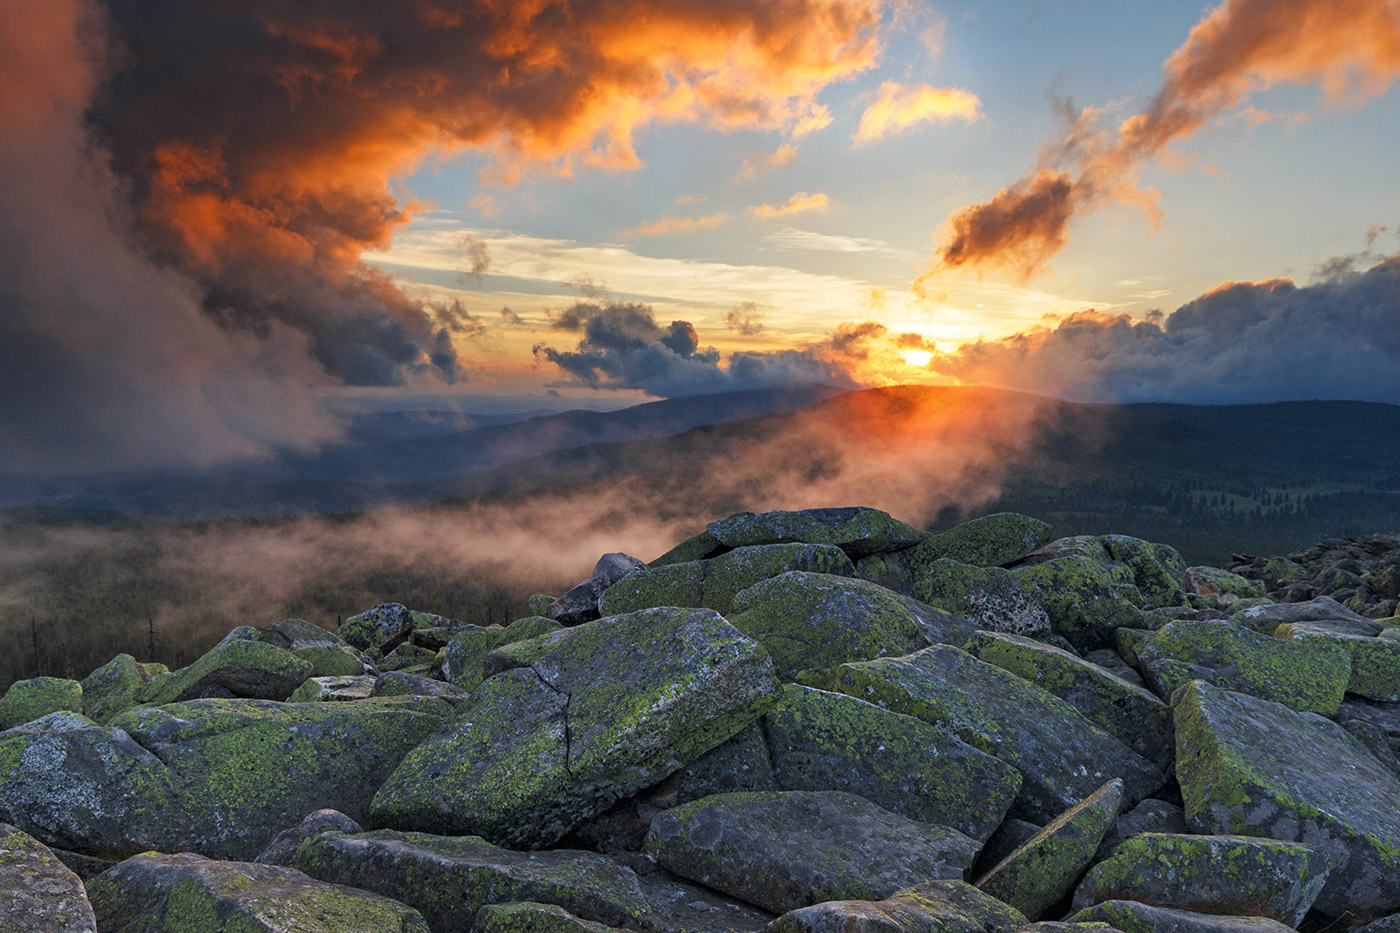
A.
x: 793, y: 238
x: 669, y: 224
x: 800, y: 202
x: 899, y: 107
x: 785, y: 154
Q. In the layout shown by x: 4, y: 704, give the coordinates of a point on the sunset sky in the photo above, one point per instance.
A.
x: 215, y: 214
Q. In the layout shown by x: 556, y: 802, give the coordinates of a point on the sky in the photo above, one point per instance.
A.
x: 217, y: 214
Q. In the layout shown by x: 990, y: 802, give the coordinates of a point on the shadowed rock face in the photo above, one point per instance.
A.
x: 769, y: 729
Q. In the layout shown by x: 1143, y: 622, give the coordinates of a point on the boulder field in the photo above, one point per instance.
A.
x: 823, y: 721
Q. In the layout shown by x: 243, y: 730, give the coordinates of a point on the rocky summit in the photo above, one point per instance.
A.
x: 824, y: 721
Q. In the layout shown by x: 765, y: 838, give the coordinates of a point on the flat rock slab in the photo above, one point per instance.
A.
x: 1236, y: 875
x: 1062, y: 757
x: 856, y: 530
x: 186, y: 892
x: 526, y: 917
x: 790, y: 849
x: 38, y: 893
x: 930, y: 907
x: 450, y: 878
x: 683, y: 907
x: 1042, y: 871
x: 1134, y: 716
x: 1322, y: 609
x: 577, y: 719
x: 1307, y: 677
x: 1133, y: 917
x: 811, y: 622
x: 830, y: 741
x: 1375, y: 662
x: 713, y: 583
x: 989, y: 541
x: 1251, y: 767
x: 334, y: 689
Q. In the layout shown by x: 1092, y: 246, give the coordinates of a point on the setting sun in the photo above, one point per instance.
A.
x: 916, y: 358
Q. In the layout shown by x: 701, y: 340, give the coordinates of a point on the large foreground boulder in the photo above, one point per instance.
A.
x: 575, y: 720
x: 829, y: 741
x: 186, y: 892
x: 811, y: 622
x: 1252, y: 767
x: 1062, y: 756
x: 1210, y: 874
x: 1135, y: 917
x: 930, y: 907
x: 790, y: 849
x: 38, y: 893
x: 450, y: 878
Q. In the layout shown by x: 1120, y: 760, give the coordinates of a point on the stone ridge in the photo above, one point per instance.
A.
x: 814, y: 721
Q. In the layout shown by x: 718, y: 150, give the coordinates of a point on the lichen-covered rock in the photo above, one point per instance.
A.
x: 462, y: 658
x: 386, y: 626
x: 76, y: 785
x: 1235, y: 875
x: 1009, y: 836
x: 989, y: 598
x: 829, y: 741
x: 40, y: 894
x: 811, y: 622
x: 1128, y: 712
x: 1306, y: 677
x: 989, y: 541
x: 400, y: 684
x: 1159, y: 572
x: 1085, y: 599
x: 713, y: 583
x: 857, y: 530
x: 296, y: 634
x: 233, y: 668
x: 929, y: 907
x: 1375, y: 662
x: 27, y: 700
x: 333, y: 660
x: 332, y: 689
x: 408, y: 657
x: 1212, y: 581
x: 244, y: 770
x: 525, y: 917
x: 284, y: 845
x: 114, y: 686
x: 1043, y: 870
x: 1133, y: 917
x: 1376, y: 740
x: 189, y: 894
x: 578, y: 719
x: 1062, y: 757
x: 790, y: 849
x: 1268, y: 617
x: 684, y: 907
x: 1253, y: 767
x: 1152, y: 815
x: 696, y: 547
x: 449, y: 878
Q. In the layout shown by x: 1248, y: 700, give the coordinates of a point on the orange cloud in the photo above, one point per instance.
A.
x: 799, y: 202
x: 899, y: 107
x: 669, y: 224
x: 785, y: 154
x: 259, y: 143
x: 1349, y: 48
x: 816, y: 119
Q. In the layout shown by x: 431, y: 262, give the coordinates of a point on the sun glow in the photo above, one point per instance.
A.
x: 916, y: 358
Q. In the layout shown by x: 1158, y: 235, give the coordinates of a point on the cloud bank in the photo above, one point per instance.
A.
x: 1240, y: 342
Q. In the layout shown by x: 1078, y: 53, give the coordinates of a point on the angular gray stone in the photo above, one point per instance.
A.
x: 449, y: 878
x: 1307, y: 677
x: 386, y: 626
x: 989, y: 541
x: 1159, y: 573
x: 1236, y: 875
x: 236, y: 667
x: 1252, y: 767
x: 38, y: 893
x: 990, y: 598
x: 1061, y: 755
x: 1085, y: 599
x: 1043, y: 870
x: 295, y: 634
x: 187, y: 892
x: 1152, y: 815
x: 1131, y: 714
x: 811, y: 622
x: 467, y: 649
x: 399, y: 684
x: 27, y: 700
x: 930, y: 907
x: 285, y: 844
x: 578, y: 719
x: 830, y: 741
x: 1133, y: 917
x: 857, y: 530
x: 1267, y: 618
x: 115, y: 686
x: 527, y: 917
x: 790, y: 849
x: 1375, y: 662
x: 696, y: 547
x: 334, y: 689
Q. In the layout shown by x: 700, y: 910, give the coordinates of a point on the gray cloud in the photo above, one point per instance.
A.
x: 1338, y: 338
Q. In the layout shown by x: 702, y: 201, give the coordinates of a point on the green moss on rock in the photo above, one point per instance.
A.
x: 1375, y: 662
x: 990, y: 598
x: 532, y: 918
x: 1085, y: 599
x: 41, y: 895
x: 929, y: 907
x: 1134, y: 917
x: 237, y: 667
x: 1212, y: 581
x: 331, y: 660
x: 696, y: 547
x: 114, y: 687
x: 856, y: 530
x: 27, y: 700
x: 1159, y: 573
x: 463, y: 656
x: 989, y: 541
